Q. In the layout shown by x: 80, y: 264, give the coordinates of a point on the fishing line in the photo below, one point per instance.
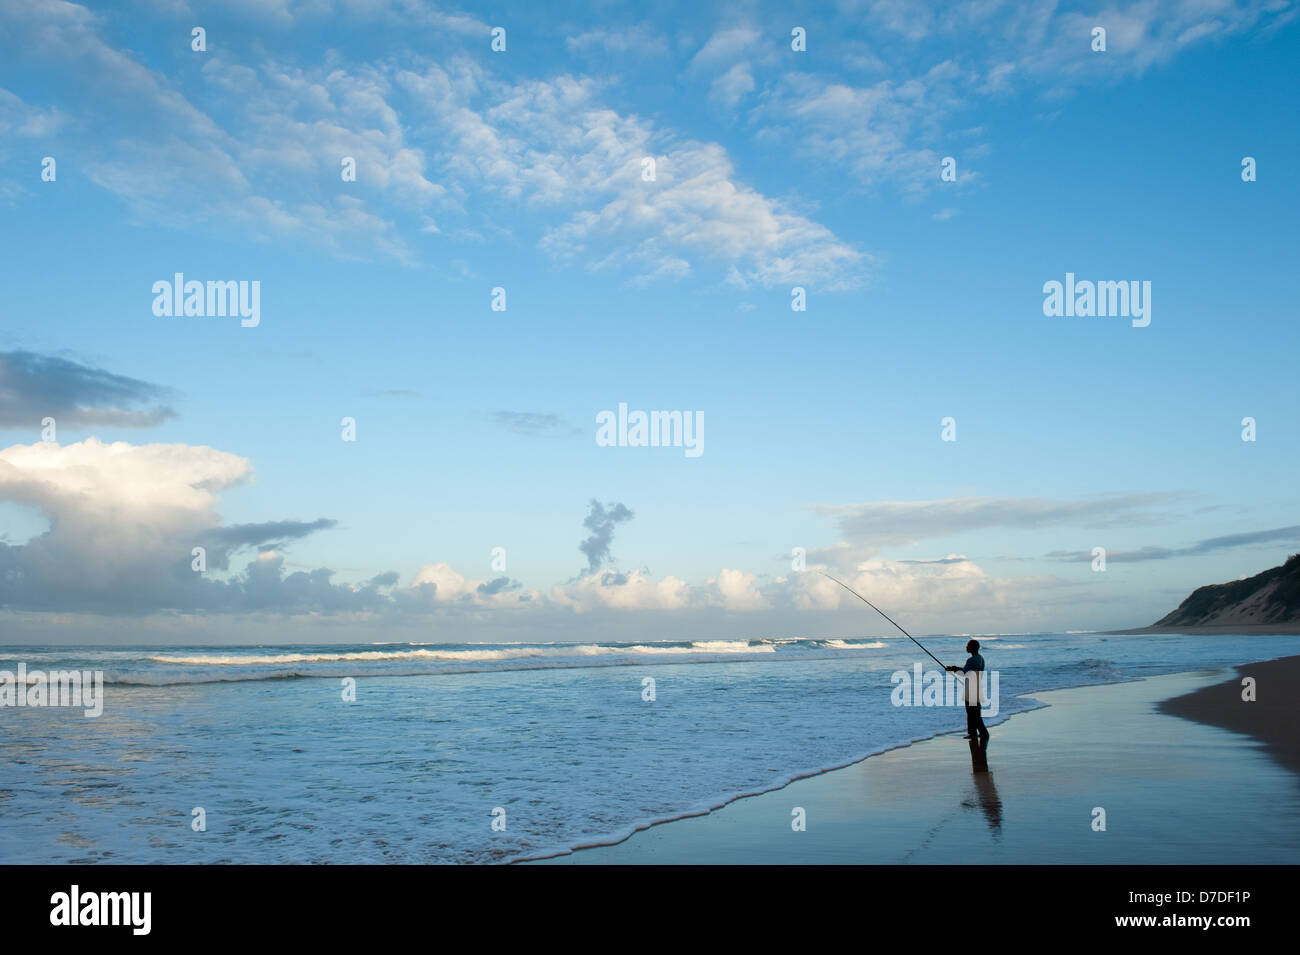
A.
x: 883, y: 614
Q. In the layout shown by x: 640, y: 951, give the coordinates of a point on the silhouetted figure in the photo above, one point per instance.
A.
x: 976, y: 731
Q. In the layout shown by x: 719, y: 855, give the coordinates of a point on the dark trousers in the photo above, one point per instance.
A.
x: 975, y: 723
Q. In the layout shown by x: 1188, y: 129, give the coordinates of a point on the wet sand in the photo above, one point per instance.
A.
x: 1174, y: 791
x: 1273, y: 718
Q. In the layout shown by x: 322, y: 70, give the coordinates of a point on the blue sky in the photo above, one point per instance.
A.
x: 522, y: 169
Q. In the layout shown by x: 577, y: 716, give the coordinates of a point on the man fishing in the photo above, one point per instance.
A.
x: 974, y: 668
x: 975, y: 728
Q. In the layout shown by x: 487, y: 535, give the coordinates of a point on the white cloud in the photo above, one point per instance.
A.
x: 735, y: 590
x: 553, y: 144
x: 635, y: 590
x: 118, y: 513
x: 874, y: 130
x: 259, y: 148
x: 725, y: 46
x: 929, y: 589
x: 302, y: 123
x: 119, y: 478
x: 291, y: 128
x: 123, y: 522
x: 123, y: 519
x: 895, y: 130
x: 696, y: 208
x: 450, y: 587
x: 731, y: 86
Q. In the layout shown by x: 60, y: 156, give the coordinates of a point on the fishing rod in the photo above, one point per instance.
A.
x: 883, y: 614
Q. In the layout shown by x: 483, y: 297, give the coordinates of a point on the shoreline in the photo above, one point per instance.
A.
x: 1271, y: 718
x: 1111, y: 746
x: 722, y: 803
x: 616, y: 840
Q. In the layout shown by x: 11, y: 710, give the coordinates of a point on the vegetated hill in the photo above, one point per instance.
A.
x: 1270, y: 597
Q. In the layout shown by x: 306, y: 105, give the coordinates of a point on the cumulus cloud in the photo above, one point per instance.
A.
x: 123, y: 522
x: 735, y: 590
x: 440, y: 586
x: 34, y: 386
x: 634, y: 590
x: 124, y: 519
x: 601, y: 520
x: 929, y: 589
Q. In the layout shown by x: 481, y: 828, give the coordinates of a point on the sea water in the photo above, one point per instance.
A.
x: 413, y: 753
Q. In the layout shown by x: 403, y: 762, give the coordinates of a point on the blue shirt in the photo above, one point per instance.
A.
x: 975, y: 663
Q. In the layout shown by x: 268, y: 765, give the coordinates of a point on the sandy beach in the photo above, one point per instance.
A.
x: 1271, y: 718
x: 1185, y: 773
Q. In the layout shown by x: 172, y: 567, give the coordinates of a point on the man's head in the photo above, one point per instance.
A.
x: 973, y: 646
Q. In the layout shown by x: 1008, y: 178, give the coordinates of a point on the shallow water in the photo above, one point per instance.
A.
x: 558, y: 736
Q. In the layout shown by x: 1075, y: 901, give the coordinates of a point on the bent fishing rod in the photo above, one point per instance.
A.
x: 883, y: 614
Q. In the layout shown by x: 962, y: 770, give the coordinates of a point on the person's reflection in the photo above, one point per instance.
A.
x: 985, y: 790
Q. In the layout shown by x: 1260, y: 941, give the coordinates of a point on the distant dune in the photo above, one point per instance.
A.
x: 1266, y: 603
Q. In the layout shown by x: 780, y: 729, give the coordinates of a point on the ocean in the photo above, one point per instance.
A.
x: 454, y: 753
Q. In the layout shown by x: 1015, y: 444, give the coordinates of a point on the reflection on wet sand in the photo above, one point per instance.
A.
x: 986, y: 791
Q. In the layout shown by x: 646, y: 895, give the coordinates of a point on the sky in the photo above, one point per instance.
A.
x: 624, y: 206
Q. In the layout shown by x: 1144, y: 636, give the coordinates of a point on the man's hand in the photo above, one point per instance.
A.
x: 953, y: 669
